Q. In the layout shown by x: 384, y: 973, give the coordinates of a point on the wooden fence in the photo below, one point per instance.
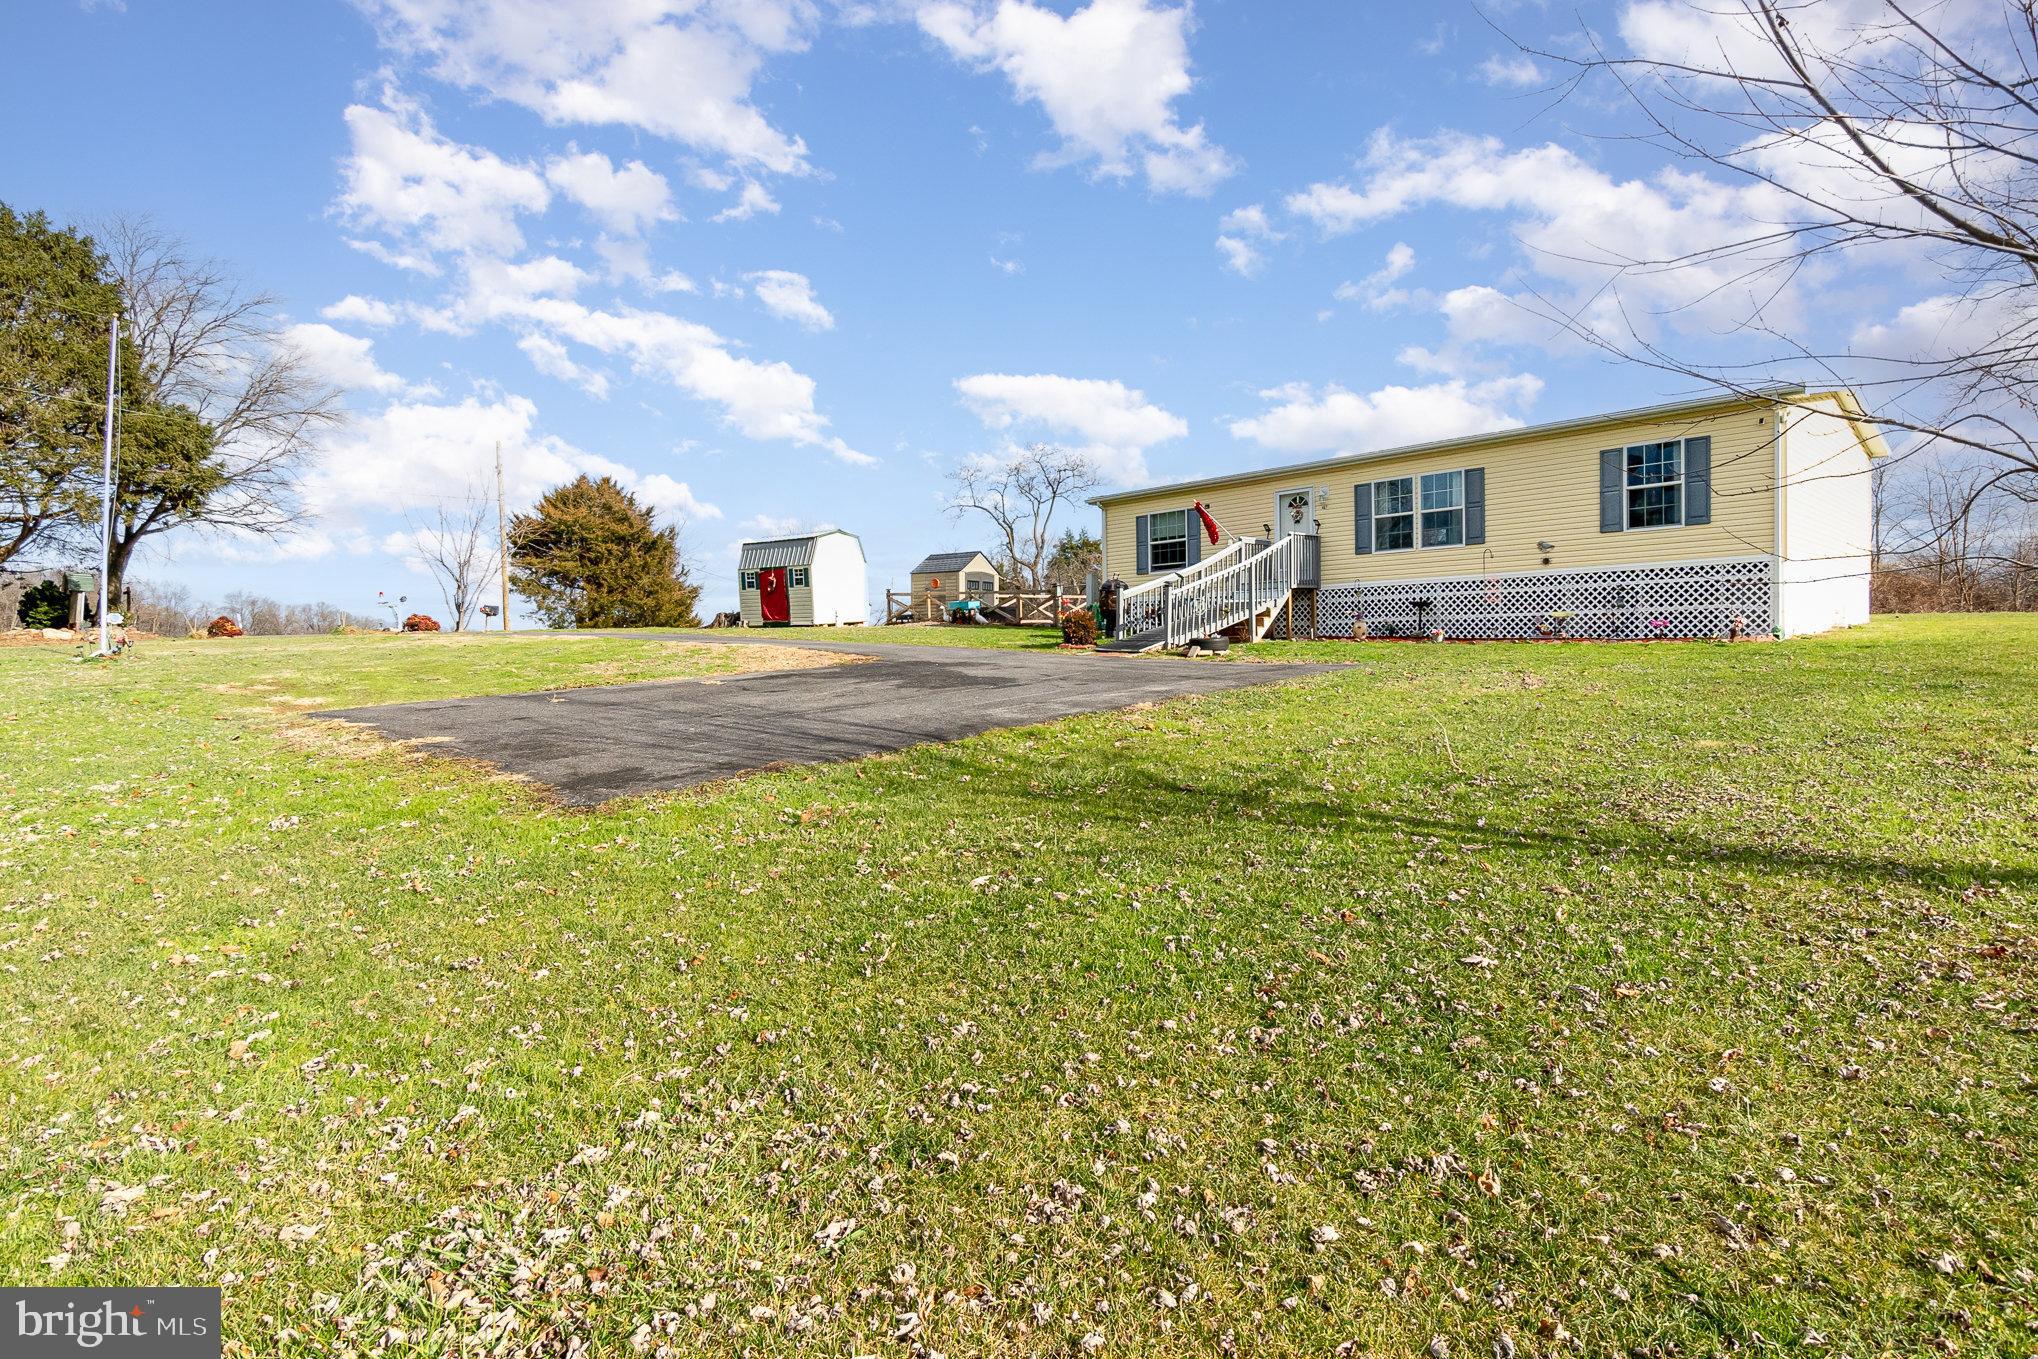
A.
x: 1010, y: 607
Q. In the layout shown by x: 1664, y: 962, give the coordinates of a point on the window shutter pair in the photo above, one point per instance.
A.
x: 1613, y: 500
x: 1143, y: 545
x: 1475, y: 511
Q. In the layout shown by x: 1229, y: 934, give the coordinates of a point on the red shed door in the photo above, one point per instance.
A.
x: 772, y: 600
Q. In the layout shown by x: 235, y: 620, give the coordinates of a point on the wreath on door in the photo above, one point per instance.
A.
x: 768, y: 583
x: 1297, y: 504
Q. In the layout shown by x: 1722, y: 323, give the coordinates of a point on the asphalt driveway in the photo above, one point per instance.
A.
x: 590, y: 745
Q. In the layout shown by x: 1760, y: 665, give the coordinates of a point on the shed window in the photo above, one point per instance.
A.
x: 1168, y: 539
x: 749, y: 581
x: 1394, y: 514
x: 798, y: 577
x: 1443, y: 509
x: 1655, y: 484
x: 978, y: 585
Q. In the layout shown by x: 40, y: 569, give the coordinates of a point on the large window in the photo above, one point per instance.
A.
x: 1393, y: 514
x: 1443, y: 509
x: 1168, y: 540
x: 1655, y: 484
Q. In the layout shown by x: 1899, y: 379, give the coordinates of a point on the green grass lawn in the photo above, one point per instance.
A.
x: 1656, y: 999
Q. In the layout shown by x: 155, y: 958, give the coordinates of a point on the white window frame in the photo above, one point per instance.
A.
x: 1629, y: 485
x: 1411, y: 514
x: 1154, y: 541
x: 1423, y: 509
x: 748, y: 581
x: 796, y: 578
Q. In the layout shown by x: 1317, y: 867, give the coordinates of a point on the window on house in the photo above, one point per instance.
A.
x: 1168, y: 540
x: 750, y: 580
x: 1393, y: 514
x: 798, y: 577
x: 977, y: 585
x: 1655, y: 484
x: 1443, y: 509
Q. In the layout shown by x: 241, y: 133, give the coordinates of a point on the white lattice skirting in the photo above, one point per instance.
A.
x: 1688, y: 599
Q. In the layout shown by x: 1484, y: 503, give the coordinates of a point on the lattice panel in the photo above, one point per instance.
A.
x: 1693, y: 600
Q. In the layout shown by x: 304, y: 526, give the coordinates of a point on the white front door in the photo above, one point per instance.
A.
x: 1294, y: 512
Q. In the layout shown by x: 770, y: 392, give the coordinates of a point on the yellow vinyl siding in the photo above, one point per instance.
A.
x: 1538, y: 487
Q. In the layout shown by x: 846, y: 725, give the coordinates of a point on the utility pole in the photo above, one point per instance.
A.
x: 106, y: 480
x: 501, y: 536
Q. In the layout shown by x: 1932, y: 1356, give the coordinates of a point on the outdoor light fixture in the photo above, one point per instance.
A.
x: 1546, y: 546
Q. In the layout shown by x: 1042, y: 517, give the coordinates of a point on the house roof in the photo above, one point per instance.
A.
x: 1794, y: 392
x: 945, y: 561
x: 765, y: 553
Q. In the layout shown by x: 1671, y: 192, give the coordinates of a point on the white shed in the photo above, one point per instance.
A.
x: 803, y: 582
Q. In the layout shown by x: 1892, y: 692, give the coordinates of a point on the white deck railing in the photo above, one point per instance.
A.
x: 1251, y: 578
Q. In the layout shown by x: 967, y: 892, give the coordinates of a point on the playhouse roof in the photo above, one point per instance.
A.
x: 937, y: 562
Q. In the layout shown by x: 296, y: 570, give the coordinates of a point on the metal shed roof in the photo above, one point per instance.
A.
x: 946, y: 561
x: 766, y: 553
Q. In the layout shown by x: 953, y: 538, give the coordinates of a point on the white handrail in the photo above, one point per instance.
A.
x: 1238, y: 593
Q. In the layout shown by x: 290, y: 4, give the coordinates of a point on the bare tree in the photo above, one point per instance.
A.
x: 214, y: 348
x: 458, y: 547
x: 1884, y: 135
x: 1020, y: 493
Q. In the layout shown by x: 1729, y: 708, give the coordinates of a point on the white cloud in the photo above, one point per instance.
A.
x: 630, y: 261
x: 402, y: 178
x: 1376, y: 289
x: 1239, y: 232
x: 414, y: 454
x: 681, y: 69
x: 1107, y: 77
x: 361, y: 311
x: 625, y: 200
x: 1514, y: 70
x: 754, y: 199
x: 673, y: 499
x: 551, y: 358
x: 1117, y: 423
x: 343, y: 360
x: 1008, y: 267
x: 791, y: 296
x: 1335, y: 419
x: 767, y: 401
x: 1580, y: 225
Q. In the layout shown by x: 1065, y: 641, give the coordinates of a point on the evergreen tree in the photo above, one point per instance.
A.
x: 57, y: 296
x: 588, y: 556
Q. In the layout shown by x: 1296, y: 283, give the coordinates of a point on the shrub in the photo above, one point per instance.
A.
x: 222, y: 626
x: 45, y: 605
x: 1079, y: 628
x: 420, y: 622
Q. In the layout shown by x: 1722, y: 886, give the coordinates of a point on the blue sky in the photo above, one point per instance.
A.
x: 780, y: 263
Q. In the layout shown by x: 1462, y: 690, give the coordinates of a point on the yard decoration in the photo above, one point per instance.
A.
x: 420, y: 622
x: 223, y: 626
x: 1209, y: 523
x: 1078, y: 628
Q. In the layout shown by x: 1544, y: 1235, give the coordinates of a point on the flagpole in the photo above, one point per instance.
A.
x: 106, y: 480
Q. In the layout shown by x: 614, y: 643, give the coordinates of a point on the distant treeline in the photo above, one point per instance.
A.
x: 172, y: 611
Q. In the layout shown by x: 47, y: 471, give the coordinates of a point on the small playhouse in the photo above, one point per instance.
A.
x: 814, y: 580
x: 944, y: 577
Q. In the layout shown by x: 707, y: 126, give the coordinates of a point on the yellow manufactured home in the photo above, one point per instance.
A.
x: 1674, y: 520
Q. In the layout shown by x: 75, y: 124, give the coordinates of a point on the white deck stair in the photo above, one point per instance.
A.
x: 1250, y: 582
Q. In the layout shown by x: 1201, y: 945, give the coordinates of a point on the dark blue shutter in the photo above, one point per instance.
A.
x: 1362, y: 518
x: 1698, y: 480
x: 1143, y: 552
x: 1613, y: 498
x: 1193, y: 522
x: 1475, y: 504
